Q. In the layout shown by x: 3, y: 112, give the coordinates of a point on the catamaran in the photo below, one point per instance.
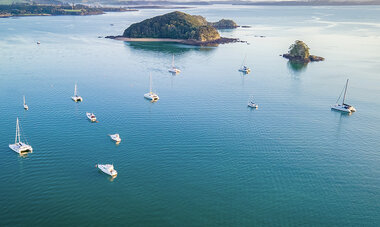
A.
x: 252, y: 104
x: 115, y: 137
x: 76, y: 98
x: 107, y: 169
x: 151, y: 95
x: 18, y: 146
x: 343, y: 107
x: 244, y: 69
x: 174, y: 70
x: 91, y: 116
x: 26, y: 107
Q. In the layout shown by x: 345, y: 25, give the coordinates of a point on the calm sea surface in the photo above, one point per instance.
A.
x: 199, y: 156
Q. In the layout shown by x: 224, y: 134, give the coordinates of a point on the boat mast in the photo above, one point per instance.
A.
x: 173, y: 61
x: 345, y: 91
x: 75, y: 90
x: 23, y: 97
x: 17, y: 132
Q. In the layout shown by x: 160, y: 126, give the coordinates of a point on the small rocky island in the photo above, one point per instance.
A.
x: 178, y: 27
x: 299, y: 52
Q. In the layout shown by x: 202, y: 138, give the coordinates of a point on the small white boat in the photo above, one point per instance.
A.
x: 76, y: 98
x: 18, y: 146
x: 115, y: 137
x: 252, y: 104
x: 91, y: 116
x: 107, y: 169
x: 244, y: 69
x: 343, y: 107
x: 174, y: 70
x: 26, y: 107
x: 38, y: 42
x: 151, y: 95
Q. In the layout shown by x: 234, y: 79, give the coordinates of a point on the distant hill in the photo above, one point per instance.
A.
x: 175, y: 25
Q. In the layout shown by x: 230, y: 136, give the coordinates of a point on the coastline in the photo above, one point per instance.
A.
x: 222, y: 40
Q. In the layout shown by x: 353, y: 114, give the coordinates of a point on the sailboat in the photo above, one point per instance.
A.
x: 343, y: 107
x: 174, y: 70
x: 26, y: 107
x: 76, y: 98
x: 151, y: 95
x: 252, y: 104
x: 18, y: 146
x: 244, y: 69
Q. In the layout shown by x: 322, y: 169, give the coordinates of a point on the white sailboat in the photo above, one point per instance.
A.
x: 343, y: 107
x: 26, y: 107
x: 76, y: 98
x: 151, y: 95
x: 174, y: 70
x: 244, y: 69
x: 115, y: 137
x: 18, y: 146
x: 91, y: 116
x: 107, y: 169
x: 252, y: 104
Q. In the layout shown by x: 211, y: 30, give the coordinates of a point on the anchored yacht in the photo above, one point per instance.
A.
x: 107, y: 169
x: 151, y: 95
x: 76, y: 98
x: 174, y: 70
x: 115, y: 137
x: 252, y: 104
x: 343, y: 107
x: 18, y: 146
x: 244, y: 69
x: 91, y: 117
x: 26, y: 107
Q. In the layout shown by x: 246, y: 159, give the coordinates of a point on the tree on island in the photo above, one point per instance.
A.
x: 299, y: 52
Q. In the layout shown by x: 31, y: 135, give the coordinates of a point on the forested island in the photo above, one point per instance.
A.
x: 299, y: 52
x: 24, y: 9
x: 178, y: 27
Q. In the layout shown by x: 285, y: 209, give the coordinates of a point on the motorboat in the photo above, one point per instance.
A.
x: 76, y: 97
x: 18, y: 146
x: 174, y: 70
x: 26, y: 107
x: 151, y: 95
x: 343, y: 107
x: 115, y: 137
x: 107, y: 169
x: 91, y: 116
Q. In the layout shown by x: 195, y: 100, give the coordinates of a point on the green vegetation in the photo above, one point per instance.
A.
x: 299, y: 50
x: 175, y: 25
x: 224, y: 24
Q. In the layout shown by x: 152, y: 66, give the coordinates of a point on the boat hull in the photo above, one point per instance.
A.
x: 174, y: 71
x: 77, y: 99
x: 26, y: 107
x: 106, y: 169
x: 89, y: 116
x: 151, y: 96
x: 340, y: 108
x: 21, y: 148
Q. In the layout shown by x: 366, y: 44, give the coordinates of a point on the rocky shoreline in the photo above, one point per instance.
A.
x: 300, y: 59
x: 192, y: 42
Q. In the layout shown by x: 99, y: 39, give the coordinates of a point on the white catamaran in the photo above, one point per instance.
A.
x: 18, y: 146
x: 151, y: 95
x: 343, y: 107
x: 244, y: 69
x: 76, y: 98
x: 26, y: 107
x: 174, y: 70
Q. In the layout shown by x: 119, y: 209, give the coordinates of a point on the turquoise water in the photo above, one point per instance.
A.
x: 199, y: 156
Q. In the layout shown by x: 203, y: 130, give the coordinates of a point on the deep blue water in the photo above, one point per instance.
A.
x: 199, y: 156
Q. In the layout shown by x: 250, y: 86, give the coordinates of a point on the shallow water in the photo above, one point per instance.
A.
x: 199, y: 156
